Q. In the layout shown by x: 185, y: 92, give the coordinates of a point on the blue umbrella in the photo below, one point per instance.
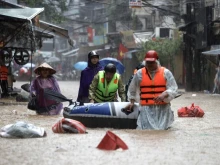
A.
x: 120, y: 67
x: 81, y: 65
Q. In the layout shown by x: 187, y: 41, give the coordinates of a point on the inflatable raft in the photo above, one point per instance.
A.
x: 110, y: 114
x: 103, y: 115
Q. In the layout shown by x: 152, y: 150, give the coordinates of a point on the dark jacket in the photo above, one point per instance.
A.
x: 130, y: 79
x: 86, y: 78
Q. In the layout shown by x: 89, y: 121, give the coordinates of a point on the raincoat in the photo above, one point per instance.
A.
x: 45, y: 106
x: 158, y: 116
x: 86, y: 78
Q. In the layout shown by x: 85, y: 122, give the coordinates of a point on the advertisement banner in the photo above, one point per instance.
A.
x: 128, y: 39
x: 99, y: 40
x: 90, y: 34
x: 135, y: 3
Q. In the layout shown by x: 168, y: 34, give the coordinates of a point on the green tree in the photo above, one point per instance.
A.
x: 52, y: 9
x: 166, y: 48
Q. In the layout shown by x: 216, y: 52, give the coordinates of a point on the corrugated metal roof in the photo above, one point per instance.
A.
x: 74, y: 52
x: 24, y: 13
x: 212, y: 52
x: 53, y: 28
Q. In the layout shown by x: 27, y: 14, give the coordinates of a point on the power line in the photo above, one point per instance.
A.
x: 159, y: 8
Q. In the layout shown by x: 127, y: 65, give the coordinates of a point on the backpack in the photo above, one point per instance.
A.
x: 190, y: 111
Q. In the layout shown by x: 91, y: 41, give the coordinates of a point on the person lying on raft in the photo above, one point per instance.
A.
x: 105, y: 86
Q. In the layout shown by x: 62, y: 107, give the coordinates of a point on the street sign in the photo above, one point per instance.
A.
x: 135, y: 3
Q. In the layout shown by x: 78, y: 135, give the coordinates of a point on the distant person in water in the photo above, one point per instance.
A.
x: 87, y: 76
x: 44, y: 80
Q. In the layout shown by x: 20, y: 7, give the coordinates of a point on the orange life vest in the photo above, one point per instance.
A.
x: 3, y: 73
x: 151, y: 88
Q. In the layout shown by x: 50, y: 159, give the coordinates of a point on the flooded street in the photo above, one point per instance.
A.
x: 189, y: 141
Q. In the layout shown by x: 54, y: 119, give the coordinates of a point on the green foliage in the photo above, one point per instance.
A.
x: 52, y: 9
x: 166, y: 49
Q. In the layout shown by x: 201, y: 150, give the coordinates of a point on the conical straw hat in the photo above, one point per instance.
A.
x: 44, y: 65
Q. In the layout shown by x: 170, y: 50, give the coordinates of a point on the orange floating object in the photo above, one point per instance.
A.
x: 111, y: 142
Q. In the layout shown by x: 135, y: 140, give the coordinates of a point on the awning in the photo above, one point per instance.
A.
x: 43, y: 25
x: 129, y: 53
x: 212, y: 52
x: 213, y: 56
x: 47, y: 27
x: 15, y: 25
x: 39, y: 33
x: 23, y: 13
x: 71, y: 53
x: 53, y: 28
x: 183, y: 27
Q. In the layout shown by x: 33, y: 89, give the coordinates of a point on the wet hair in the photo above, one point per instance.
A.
x: 110, y: 68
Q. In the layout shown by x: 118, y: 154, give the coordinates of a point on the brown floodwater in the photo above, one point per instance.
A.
x: 189, y: 141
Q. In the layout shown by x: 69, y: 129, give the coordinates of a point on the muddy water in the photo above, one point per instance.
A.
x: 189, y: 141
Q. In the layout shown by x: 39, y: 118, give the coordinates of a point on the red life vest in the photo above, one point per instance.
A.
x: 151, y: 88
x: 190, y: 111
x: 3, y: 73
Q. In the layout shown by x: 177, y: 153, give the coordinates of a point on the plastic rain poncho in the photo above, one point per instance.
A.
x: 157, y: 117
x: 22, y: 129
x: 46, y: 106
x: 86, y: 78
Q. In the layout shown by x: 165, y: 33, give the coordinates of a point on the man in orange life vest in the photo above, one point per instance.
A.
x: 157, y: 88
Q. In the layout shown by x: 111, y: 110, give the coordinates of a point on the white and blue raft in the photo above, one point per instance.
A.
x: 98, y: 115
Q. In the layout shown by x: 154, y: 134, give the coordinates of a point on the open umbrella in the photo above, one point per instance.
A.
x: 53, y: 95
x: 26, y: 87
x: 120, y: 67
x: 81, y: 65
x: 213, y: 53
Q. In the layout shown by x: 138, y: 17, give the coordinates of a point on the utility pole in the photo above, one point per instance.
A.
x: 196, y: 40
x: 189, y: 39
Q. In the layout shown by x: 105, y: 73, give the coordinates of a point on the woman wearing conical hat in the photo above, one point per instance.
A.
x: 44, y: 80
